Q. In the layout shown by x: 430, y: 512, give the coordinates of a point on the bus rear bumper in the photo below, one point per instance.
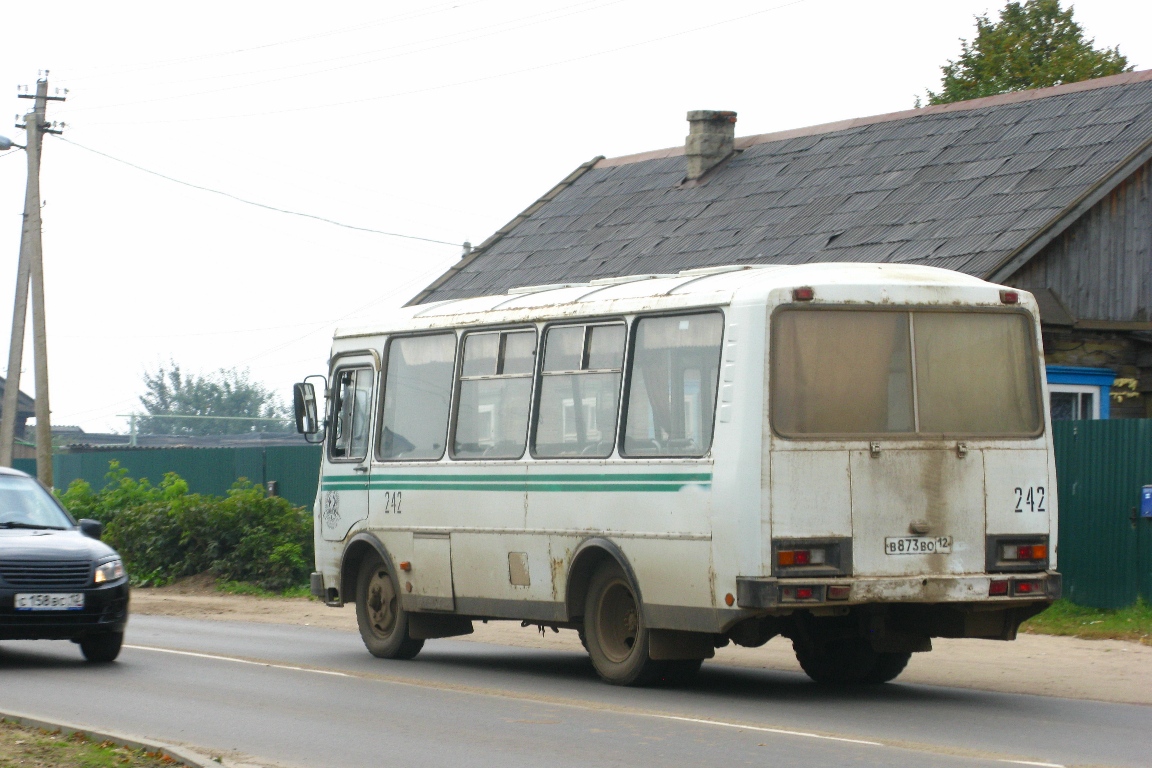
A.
x: 1001, y: 590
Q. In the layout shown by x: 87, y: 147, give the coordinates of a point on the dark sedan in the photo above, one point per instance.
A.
x: 58, y: 581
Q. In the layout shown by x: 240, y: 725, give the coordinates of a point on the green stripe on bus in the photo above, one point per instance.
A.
x: 574, y: 477
x: 520, y: 487
x: 619, y: 482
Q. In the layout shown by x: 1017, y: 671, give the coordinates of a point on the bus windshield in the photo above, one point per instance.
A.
x: 865, y: 372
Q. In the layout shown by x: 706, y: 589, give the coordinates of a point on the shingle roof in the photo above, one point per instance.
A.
x: 963, y: 186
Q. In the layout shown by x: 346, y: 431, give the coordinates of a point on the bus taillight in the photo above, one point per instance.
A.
x: 1030, y: 587
x: 1024, y: 552
x: 790, y: 557
x: 801, y: 594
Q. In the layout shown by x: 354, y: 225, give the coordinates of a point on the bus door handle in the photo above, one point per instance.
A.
x: 361, y: 468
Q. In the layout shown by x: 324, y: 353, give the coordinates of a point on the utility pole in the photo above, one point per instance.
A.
x: 30, y: 269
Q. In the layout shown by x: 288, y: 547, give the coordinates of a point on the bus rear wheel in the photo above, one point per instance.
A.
x: 614, y: 629
x: 849, y: 662
x: 382, y: 621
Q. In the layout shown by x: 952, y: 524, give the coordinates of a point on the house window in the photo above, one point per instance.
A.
x: 1071, y: 403
x: 1076, y: 393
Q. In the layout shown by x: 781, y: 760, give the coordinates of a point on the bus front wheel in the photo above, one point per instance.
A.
x: 617, y: 638
x: 383, y: 622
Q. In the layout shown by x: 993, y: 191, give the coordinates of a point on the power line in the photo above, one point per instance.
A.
x: 399, y: 54
x: 253, y: 202
x: 471, y: 81
x: 450, y: 6
x: 321, y: 325
x: 403, y: 287
x: 229, y: 332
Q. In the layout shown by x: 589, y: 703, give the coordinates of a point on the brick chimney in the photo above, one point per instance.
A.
x: 711, y: 134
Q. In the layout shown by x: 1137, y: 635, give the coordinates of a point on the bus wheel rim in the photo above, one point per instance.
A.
x: 381, y: 604
x: 619, y: 622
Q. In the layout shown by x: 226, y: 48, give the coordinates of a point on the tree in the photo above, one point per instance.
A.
x: 1035, y: 44
x: 170, y: 392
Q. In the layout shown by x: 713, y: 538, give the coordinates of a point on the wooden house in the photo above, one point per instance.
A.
x: 1047, y: 190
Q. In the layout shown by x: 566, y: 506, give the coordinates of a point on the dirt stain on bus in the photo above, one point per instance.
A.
x: 558, y: 570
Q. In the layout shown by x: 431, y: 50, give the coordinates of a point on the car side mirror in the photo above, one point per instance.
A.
x: 93, y: 529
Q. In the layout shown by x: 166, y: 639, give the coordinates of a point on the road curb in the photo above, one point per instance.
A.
x: 179, y: 754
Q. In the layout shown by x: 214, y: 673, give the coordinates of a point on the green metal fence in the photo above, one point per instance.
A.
x: 1105, y: 549
x: 296, y: 469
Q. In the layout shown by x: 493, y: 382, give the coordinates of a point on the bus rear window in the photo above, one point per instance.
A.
x: 865, y: 372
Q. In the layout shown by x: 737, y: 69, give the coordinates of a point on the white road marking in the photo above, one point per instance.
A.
x: 699, y: 721
x: 237, y: 661
x: 781, y: 731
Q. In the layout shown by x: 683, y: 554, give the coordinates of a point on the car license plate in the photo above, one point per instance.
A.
x: 918, y: 545
x: 73, y: 601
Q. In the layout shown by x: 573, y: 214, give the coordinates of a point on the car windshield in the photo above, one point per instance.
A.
x: 25, y: 504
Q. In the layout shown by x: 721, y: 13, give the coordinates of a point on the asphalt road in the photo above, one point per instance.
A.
x: 313, y: 697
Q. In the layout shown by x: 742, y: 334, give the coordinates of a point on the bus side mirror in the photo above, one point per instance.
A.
x: 304, y: 406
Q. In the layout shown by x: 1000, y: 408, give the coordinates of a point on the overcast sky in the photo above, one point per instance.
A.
x: 434, y: 120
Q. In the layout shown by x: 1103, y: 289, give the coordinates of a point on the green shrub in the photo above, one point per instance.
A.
x: 121, y: 492
x: 164, y: 532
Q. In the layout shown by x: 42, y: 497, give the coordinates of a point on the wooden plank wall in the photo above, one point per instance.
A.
x: 1101, y: 267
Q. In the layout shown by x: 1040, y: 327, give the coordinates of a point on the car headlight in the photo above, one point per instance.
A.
x: 109, y: 571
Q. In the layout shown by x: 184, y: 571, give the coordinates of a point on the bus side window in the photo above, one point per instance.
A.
x: 579, y: 391
x: 352, y: 407
x: 495, y: 393
x: 417, y: 395
x: 672, y: 392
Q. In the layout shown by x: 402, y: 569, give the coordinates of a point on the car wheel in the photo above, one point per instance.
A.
x: 615, y: 632
x: 382, y: 621
x: 103, y: 648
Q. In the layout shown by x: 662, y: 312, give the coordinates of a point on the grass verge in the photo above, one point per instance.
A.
x: 36, y: 748
x: 252, y: 590
x: 1133, y: 623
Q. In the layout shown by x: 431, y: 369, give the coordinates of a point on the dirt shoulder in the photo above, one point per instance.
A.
x: 1102, y: 670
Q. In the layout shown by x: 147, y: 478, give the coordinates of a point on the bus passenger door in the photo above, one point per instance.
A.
x: 344, y: 499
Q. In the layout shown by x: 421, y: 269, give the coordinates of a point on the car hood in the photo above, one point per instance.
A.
x: 50, y: 545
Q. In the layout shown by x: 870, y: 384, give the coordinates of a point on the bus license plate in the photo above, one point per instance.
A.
x: 50, y: 602
x: 918, y: 545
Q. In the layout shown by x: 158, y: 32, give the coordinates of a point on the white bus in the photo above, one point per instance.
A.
x: 853, y: 456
